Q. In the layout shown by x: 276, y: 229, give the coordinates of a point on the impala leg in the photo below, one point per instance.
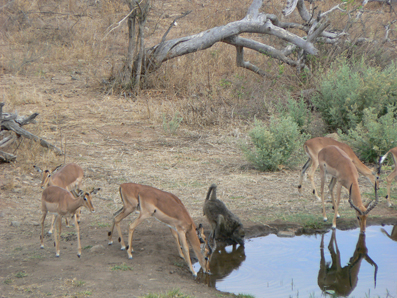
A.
x: 78, y: 236
x: 178, y: 244
x: 389, y: 180
x: 78, y: 215
x: 57, y: 234
x: 310, y: 175
x: 322, y: 192
x: 42, y: 229
x: 67, y: 222
x: 331, y: 190
x: 304, y: 169
x: 336, y: 205
x: 52, y: 224
x: 140, y: 218
x: 116, y: 222
x: 185, y: 249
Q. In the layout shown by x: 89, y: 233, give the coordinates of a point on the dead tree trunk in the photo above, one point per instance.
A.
x: 254, y: 22
x: 13, y: 123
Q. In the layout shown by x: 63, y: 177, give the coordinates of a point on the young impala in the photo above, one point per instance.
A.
x: 335, y: 162
x: 313, y: 146
x: 68, y: 177
x: 167, y: 208
x: 393, y: 174
x: 60, y: 201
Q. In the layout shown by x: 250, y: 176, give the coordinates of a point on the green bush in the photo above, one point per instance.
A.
x: 274, y: 145
x: 298, y: 111
x: 374, y: 136
x: 172, y: 125
x: 348, y: 89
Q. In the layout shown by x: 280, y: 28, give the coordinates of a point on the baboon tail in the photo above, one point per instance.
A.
x: 211, y: 192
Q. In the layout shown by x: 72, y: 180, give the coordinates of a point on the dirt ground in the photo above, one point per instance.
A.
x: 115, y: 141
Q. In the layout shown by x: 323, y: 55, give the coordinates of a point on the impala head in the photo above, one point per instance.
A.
x: 86, y: 196
x: 362, y: 214
x: 206, y: 249
x: 46, y: 175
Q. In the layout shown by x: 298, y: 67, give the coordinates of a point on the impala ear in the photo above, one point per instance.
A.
x: 80, y: 193
x: 56, y: 168
x: 38, y: 169
x: 95, y: 190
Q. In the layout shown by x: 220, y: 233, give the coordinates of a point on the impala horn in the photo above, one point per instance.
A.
x: 373, y: 203
x: 350, y: 200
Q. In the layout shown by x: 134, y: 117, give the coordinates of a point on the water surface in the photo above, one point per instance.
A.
x: 272, y: 266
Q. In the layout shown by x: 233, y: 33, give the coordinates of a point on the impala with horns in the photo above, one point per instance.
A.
x: 337, y: 280
x: 392, y: 175
x: 313, y: 146
x: 61, y: 202
x: 167, y: 208
x: 335, y: 162
x: 68, y: 177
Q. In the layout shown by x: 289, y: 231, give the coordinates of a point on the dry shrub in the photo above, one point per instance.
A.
x: 206, y: 87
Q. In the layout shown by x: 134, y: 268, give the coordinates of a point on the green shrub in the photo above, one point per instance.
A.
x: 173, y: 124
x: 348, y: 89
x: 274, y: 145
x: 374, y: 136
x: 298, y: 111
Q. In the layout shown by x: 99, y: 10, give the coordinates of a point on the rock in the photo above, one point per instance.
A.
x: 15, y: 224
x: 97, y: 248
x: 287, y: 234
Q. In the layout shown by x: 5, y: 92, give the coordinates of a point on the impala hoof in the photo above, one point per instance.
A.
x: 41, y: 246
x: 123, y: 248
x: 110, y: 242
x: 333, y: 227
x: 130, y: 257
x: 337, y: 216
x: 325, y: 219
x: 79, y: 255
x: 57, y: 255
x: 49, y: 232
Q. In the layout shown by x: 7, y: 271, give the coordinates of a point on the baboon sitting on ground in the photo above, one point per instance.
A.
x: 225, y: 225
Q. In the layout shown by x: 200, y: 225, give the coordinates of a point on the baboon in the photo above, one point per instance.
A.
x: 225, y: 225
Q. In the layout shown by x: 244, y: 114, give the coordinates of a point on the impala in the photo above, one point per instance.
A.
x: 68, y: 177
x: 60, y: 201
x: 337, y: 280
x: 393, y: 174
x: 313, y: 146
x: 337, y: 164
x: 167, y: 208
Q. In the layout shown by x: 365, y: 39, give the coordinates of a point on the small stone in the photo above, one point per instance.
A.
x: 97, y: 248
x: 287, y: 234
x: 15, y: 224
x: 35, y: 223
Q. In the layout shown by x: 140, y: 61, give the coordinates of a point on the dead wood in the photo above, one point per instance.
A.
x: 12, y: 122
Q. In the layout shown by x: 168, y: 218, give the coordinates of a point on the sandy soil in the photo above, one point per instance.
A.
x: 115, y: 141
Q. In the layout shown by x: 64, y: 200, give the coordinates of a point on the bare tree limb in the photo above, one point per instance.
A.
x: 7, y: 157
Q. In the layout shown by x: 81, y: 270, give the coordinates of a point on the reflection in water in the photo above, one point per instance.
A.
x: 222, y: 263
x: 278, y: 267
x: 392, y: 235
x: 339, y: 280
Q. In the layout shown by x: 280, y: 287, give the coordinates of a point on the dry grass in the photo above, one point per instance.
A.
x: 45, y: 39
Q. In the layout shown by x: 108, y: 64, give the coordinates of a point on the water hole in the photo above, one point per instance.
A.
x: 346, y: 266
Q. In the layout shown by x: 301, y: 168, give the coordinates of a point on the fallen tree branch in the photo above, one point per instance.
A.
x: 7, y: 157
x: 13, y: 123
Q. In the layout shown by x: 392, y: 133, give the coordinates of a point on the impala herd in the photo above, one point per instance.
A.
x: 63, y: 197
